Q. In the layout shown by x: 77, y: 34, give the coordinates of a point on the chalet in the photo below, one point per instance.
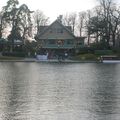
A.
x: 57, y: 37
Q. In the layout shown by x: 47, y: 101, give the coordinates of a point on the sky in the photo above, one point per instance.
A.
x: 54, y: 8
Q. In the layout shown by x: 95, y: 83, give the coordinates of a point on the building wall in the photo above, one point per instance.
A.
x: 67, y: 44
x: 56, y: 31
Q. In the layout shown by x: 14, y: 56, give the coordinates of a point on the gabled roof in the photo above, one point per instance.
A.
x: 42, y: 28
x: 80, y: 38
x: 65, y: 27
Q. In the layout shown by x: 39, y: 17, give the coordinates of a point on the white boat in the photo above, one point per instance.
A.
x: 110, y: 59
x: 42, y: 57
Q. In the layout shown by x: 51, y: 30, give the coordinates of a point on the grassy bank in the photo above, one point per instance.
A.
x: 10, y: 58
x: 88, y: 56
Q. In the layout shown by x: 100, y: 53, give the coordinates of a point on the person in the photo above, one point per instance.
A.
x: 66, y: 55
x: 59, y: 56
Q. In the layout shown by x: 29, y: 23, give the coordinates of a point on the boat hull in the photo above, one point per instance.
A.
x: 111, y: 61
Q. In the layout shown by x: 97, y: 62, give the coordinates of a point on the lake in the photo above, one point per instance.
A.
x: 59, y: 91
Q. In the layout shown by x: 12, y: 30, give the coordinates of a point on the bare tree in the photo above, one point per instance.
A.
x: 66, y: 20
x: 111, y: 15
x: 40, y: 19
x: 1, y: 23
x: 70, y: 20
x: 81, y: 22
x: 87, y: 26
x: 104, y: 22
x: 96, y: 23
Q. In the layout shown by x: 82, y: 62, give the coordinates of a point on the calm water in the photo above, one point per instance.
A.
x: 59, y: 91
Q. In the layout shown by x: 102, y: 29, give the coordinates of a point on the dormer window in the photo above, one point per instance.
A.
x: 59, y: 30
x: 51, y: 30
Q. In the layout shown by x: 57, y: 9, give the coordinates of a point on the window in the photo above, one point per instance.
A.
x: 52, y: 42
x: 69, y: 42
x: 79, y: 43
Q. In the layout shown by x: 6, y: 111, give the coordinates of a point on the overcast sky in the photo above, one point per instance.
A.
x: 53, y: 8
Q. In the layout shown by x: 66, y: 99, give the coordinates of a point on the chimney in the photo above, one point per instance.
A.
x: 60, y: 18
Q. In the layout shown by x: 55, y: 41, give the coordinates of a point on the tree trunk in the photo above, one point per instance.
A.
x: 113, y: 39
x: 97, y: 37
x: 88, y: 39
x: 1, y: 28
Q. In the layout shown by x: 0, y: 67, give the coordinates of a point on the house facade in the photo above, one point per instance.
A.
x: 58, y: 37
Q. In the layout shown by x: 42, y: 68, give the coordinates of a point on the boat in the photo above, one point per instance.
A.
x: 41, y: 57
x: 110, y: 59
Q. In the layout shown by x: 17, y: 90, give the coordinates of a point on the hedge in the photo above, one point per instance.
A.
x: 14, y: 54
x: 87, y: 56
x: 103, y: 52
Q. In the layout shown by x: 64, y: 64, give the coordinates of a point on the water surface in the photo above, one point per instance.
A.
x: 59, y: 91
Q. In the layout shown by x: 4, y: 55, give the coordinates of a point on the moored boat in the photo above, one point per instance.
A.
x: 110, y: 59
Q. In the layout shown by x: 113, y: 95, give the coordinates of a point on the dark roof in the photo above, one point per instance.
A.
x: 80, y: 38
x: 42, y: 28
x: 67, y: 28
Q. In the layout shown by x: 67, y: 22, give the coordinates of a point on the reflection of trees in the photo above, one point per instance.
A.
x: 15, y: 91
x: 105, y: 93
x: 13, y: 96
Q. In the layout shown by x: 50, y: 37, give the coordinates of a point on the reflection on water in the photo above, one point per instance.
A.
x: 59, y: 91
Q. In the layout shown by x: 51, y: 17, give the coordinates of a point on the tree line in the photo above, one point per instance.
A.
x: 101, y: 24
x: 20, y: 20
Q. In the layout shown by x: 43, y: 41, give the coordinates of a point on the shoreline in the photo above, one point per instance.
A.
x: 50, y: 61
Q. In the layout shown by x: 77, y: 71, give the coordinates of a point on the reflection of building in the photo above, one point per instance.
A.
x: 58, y: 37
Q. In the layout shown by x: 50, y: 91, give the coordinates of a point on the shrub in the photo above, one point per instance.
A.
x: 116, y: 50
x: 14, y: 54
x: 99, y: 46
x: 103, y: 52
x: 85, y: 57
x: 10, y: 58
x: 85, y: 50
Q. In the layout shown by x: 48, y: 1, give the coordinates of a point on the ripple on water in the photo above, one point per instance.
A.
x: 36, y: 91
